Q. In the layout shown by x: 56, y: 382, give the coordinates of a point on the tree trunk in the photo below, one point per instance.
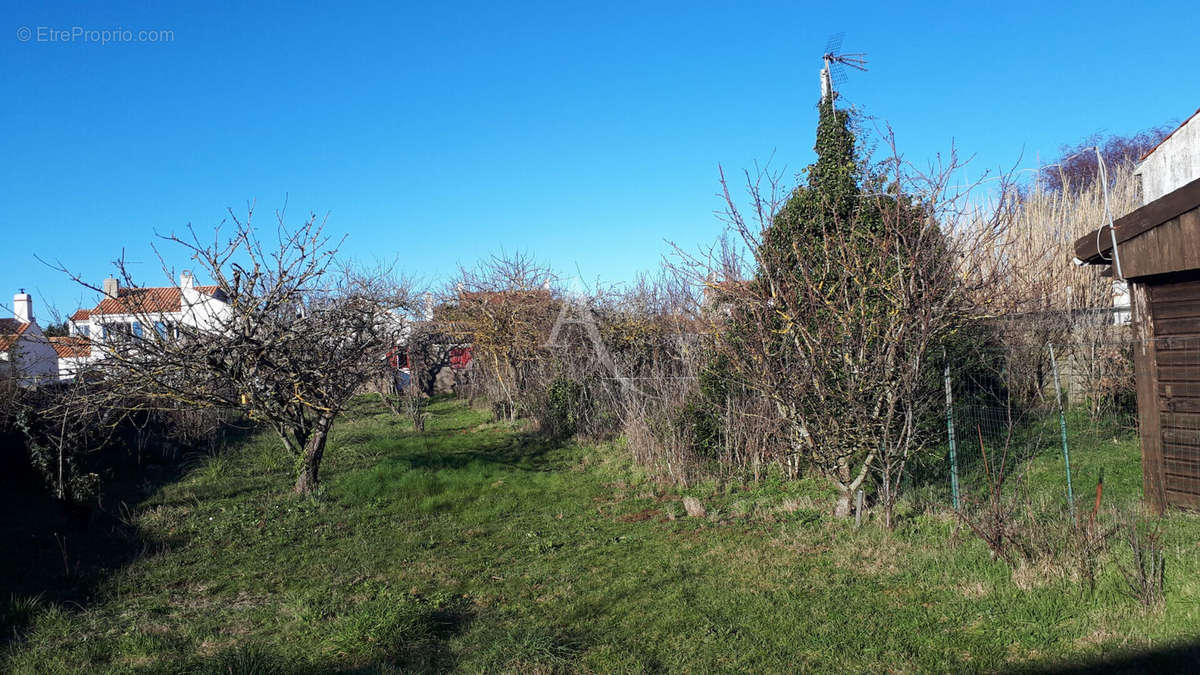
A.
x: 314, y: 449
x: 842, y: 508
x: 886, y: 496
x: 845, y: 487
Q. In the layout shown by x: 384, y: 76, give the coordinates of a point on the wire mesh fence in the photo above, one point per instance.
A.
x: 1054, y: 417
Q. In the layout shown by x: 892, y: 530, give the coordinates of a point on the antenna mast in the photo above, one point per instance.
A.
x: 834, y: 69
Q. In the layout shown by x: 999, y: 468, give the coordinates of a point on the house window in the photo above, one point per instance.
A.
x: 136, y: 327
x: 161, y: 328
x: 83, y: 330
x: 104, y: 331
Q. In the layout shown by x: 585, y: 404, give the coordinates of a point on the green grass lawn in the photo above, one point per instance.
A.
x: 475, y: 547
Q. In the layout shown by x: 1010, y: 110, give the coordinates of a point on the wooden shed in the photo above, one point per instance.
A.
x: 1158, y: 253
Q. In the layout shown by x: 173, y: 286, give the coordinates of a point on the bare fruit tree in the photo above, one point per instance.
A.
x: 287, y: 334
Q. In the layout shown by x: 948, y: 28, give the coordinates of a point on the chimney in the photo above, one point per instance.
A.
x: 112, y: 287
x: 427, y: 313
x: 186, y: 280
x: 23, y: 307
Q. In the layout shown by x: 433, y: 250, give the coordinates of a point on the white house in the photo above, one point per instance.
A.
x: 25, y: 353
x: 134, y: 311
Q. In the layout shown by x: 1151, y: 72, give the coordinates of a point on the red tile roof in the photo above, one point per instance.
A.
x: 71, y: 347
x: 81, y: 315
x: 10, y: 332
x: 146, y: 300
x: 525, y: 296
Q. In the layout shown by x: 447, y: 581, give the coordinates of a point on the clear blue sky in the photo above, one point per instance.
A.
x: 584, y: 133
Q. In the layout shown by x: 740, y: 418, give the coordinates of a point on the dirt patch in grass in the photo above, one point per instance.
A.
x: 645, y: 514
x: 211, y: 647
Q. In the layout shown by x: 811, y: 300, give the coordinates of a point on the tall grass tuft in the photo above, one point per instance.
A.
x: 1145, y: 573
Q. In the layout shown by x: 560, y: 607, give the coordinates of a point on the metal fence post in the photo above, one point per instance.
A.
x: 1062, y: 426
x: 950, y: 433
x: 858, y: 506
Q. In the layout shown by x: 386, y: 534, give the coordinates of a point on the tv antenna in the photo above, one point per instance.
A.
x: 836, y: 63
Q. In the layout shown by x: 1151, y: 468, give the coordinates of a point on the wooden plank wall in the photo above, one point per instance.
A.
x: 1175, y: 399
x: 1173, y: 246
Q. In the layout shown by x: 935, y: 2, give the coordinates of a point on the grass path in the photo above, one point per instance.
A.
x: 476, y: 548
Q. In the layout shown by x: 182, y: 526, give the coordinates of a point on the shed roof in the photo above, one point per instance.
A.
x: 1162, y: 236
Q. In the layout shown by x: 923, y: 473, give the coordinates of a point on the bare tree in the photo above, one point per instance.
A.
x: 427, y: 351
x: 293, y: 337
x: 504, y: 309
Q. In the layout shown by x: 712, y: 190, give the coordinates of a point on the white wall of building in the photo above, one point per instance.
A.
x: 1175, y: 163
x: 32, y: 359
x: 69, y: 366
x: 40, y: 359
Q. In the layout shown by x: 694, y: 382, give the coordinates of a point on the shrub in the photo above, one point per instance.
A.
x: 564, y: 400
x: 700, y: 422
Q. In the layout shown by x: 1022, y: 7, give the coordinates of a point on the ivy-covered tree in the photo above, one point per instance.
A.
x: 854, y: 283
